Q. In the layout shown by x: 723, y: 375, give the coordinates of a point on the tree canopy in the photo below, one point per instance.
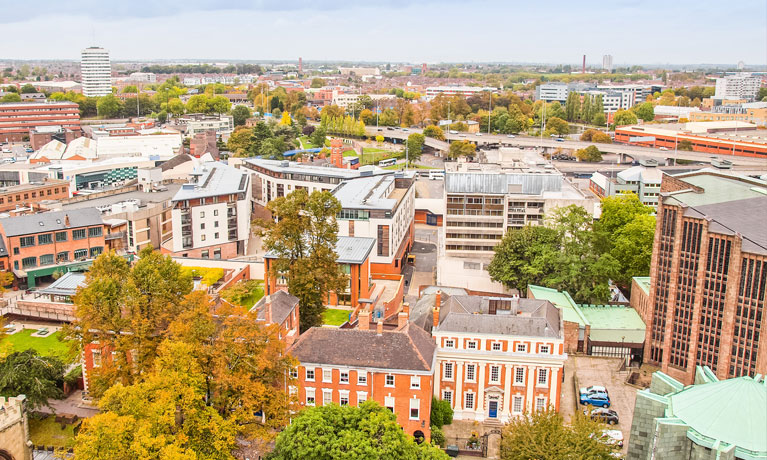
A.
x: 589, y: 154
x: 624, y: 117
x: 415, y: 144
x: 461, y: 149
x: 434, y: 131
x: 28, y: 373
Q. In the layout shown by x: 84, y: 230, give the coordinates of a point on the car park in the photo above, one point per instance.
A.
x: 595, y: 399
x: 593, y: 389
x: 608, y: 416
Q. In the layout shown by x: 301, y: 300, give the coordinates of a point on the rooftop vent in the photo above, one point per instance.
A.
x: 284, y: 163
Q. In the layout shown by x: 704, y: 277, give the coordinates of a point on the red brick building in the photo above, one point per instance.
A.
x: 28, y: 195
x: 280, y: 308
x: 350, y: 366
x: 18, y: 118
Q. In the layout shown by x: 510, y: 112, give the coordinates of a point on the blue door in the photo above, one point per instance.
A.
x: 493, y: 409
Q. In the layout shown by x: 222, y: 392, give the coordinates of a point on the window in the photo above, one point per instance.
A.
x: 415, y: 382
x: 62, y: 257
x: 470, y: 372
x: 343, y: 397
x: 521, y: 348
x: 447, y: 395
x: 28, y: 262
x: 449, y: 343
x: 309, y: 375
x: 516, y: 404
x: 215, y: 224
x: 362, y: 396
x: 46, y: 259
x: 217, y: 253
x: 543, y: 376
x: 471, y: 345
x: 327, y: 375
x: 519, y: 376
x: 496, y: 346
x: 540, y: 404
x: 96, y: 251
x: 389, y: 380
x: 78, y: 234
x: 327, y: 397
x: 26, y: 241
x: 310, y: 396
x: 45, y: 238
x: 202, y: 237
x: 495, y: 374
x: 415, y: 409
x: 61, y: 236
x: 95, y: 231
x: 469, y: 401
x: 202, y: 225
x: 205, y: 254
x: 81, y: 253
x: 96, y: 354
x: 202, y: 214
x: 294, y: 373
x: 544, y: 349
x: 362, y: 378
x: 215, y: 235
x: 344, y: 377
x: 15, y: 251
x: 447, y: 371
x: 215, y: 211
x: 389, y: 403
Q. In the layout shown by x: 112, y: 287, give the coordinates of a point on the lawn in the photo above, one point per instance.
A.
x: 306, y: 142
x: 47, y: 432
x: 398, y: 166
x: 349, y: 153
x: 334, y: 316
x: 45, y: 346
x: 244, y: 293
x: 209, y: 275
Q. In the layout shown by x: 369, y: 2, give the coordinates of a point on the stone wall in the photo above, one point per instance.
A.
x: 14, y: 431
x: 647, y: 408
x: 671, y: 441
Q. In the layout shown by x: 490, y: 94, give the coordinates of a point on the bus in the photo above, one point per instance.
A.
x: 436, y: 174
x: 387, y: 162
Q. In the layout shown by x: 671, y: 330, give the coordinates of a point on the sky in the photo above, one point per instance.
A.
x: 548, y: 31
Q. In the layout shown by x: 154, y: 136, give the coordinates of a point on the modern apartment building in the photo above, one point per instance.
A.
x: 752, y: 112
x: 350, y: 366
x: 643, y: 180
x: 96, y: 72
x: 17, y: 119
x: 741, y: 85
x: 380, y: 207
x: 211, y: 214
x: 552, y: 92
x: 466, y: 91
x: 497, y: 357
x: 607, y: 62
x: 30, y: 194
x: 708, y: 273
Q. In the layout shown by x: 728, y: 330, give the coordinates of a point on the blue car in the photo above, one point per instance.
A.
x: 595, y: 399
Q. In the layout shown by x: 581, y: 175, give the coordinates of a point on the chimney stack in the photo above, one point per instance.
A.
x: 435, y: 316
x: 66, y: 220
x: 379, y: 327
x: 363, y: 321
x: 438, y: 299
x: 403, y: 316
x: 268, y: 310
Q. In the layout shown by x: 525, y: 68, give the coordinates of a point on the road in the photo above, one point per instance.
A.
x: 529, y: 141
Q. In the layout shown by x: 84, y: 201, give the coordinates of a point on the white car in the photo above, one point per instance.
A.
x: 452, y: 131
x: 613, y: 437
x: 663, y: 148
x: 593, y: 389
x: 511, y: 136
x: 405, y: 129
x: 478, y: 134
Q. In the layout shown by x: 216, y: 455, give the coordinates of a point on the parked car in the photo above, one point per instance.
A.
x: 452, y: 131
x: 613, y: 437
x: 511, y: 136
x: 559, y: 139
x: 595, y: 399
x: 405, y: 130
x: 663, y: 148
x: 478, y: 134
x: 593, y: 388
x: 608, y: 416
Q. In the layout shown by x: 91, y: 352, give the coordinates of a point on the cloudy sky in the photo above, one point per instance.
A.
x: 552, y: 31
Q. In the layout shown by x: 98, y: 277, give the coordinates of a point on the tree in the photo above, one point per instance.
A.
x: 415, y: 143
x: 587, y: 135
x: 434, y: 132
x: 349, y: 433
x: 388, y: 118
x: 317, y: 83
x: 37, y: 377
x: 11, y: 97
x: 599, y: 119
x: 162, y: 117
x: 543, y: 435
x: 524, y: 256
x: 624, y: 117
x: 197, y: 104
x: 285, y: 119
x: 28, y: 89
x: 109, y: 106
x: 590, y: 154
x: 597, y: 109
x: 685, y: 145
x: 367, y: 117
x: 239, y: 141
x: 441, y: 413
x: 303, y: 234
x: 586, y: 112
x: 318, y: 137
x: 558, y: 126
x: 645, y: 111
x: 461, y: 149
x: 218, y: 104
x: 240, y: 114
x: 130, y: 89
x: 573, y: 106
x: 762, y: 93
x: 176, y: 107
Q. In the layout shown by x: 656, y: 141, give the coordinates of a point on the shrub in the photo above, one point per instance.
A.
x: 601, y: 138
x: 441, y: 413
x: 438, y: 437
x: 590, y: 154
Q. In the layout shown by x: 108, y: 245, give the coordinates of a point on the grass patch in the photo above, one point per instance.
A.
x: 244, y: 293
x: 209, y: 275
x: 47, y: 432
x: 306, y: 142
x: 398, y: 166
x: 375, y: 150
x: 334, y: 316
x: 349, y: 153
x: 44, y: 346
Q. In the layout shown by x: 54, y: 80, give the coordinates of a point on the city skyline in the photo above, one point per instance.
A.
x: 632, y: 32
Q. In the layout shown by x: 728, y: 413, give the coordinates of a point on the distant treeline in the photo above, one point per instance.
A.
x: 239, y: 69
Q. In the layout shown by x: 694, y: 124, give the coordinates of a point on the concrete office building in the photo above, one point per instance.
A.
x: 643, y: 180
x: 552, y: 92
x: 741, y: 85
x: 96, y: 72
x: 708, y: 273
x: 433, y: 91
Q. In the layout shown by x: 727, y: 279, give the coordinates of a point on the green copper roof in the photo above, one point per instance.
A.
x: 614, y: 323
x: 732, y: 411
x: 561, y: 300
x: 644, y: 283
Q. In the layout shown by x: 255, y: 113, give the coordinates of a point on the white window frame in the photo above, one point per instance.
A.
x: 417, y: 403
x: 544, y: 349
x: 466, y: 404
x: 472, y: 345
x: 517, y: 380
x: 327, y: 392
x: 415, y: 382
x: 343, y: 394
x: 499, y: 346
x: 540, y: 403
x: 473, y: 369
x: 448, y: 368
x: 362, y: 378
x: 521, y: 348
x: 497, y: 378
x: 389, y: 402
x: 293, y: 373
x: 306, y: 375
x: 545, y: 374
x: 449, y: 343
x: 327, y: 375
x: 343, y: 377
x: 362, y: 396
x: 310, y: 393
x: 447, y: 395
x: 386, y: 381
x: 96, y: 357
x: 517, y: 399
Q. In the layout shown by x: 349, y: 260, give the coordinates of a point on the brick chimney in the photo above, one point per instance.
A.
x: 435, y: 316
x: 379, y: 327
x: 403, y: 316
x: 363, y: 321
x: 438, y: 299
x: 66, y: 220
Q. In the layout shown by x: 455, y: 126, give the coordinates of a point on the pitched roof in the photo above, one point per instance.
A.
x: 50, y: 221
x: 281, y: 304
x: 561, y: 300
x: 349, y: 250
x: 739, y: 216
x: 471, y: 313
x: 410, y: 348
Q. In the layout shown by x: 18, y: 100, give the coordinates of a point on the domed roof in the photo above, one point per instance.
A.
x: 732, y: 411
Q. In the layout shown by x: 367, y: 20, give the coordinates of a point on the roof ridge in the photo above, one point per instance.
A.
x: 415, y: 347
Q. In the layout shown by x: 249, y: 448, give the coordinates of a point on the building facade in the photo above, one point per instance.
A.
x: 14, y: 429
x: 643, y: 180
x: 741, y: 85
x: 211, y: 213
x: 96, y: 72
x: 351, y: 366
x: 31, y: 194
x: 17, y: 119
x: 708, y: 273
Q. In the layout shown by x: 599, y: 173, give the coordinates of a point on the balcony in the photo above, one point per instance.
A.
x: 114, y: 236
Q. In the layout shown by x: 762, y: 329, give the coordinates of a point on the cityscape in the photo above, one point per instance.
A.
x: 236, y: 241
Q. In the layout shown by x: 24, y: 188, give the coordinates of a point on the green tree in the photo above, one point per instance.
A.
x: 260, y: 134
x: 586, y: 112
x: 558, y: 126
x: 434, y: 132
x: 685, y: 145
x: 599, y: 119
x: 525, y: 256
x: 441, y: 413
x: 37, y: 377
x: 590, y: 154
x: 176, y: 107
x: 11, y: 97
x: 197, y: 104
x: 303, y: 234
x: 130, y: 89
x: 219, y: 105
x: 317, y: 83
x: 388, y: 118
x: 573, y: 106
x: 28, y: 88
x: 162, y: 117
x: 461, y: 149
x: 624, y: 117
x: 318, y: 137
x: 239, y: 142
x: 349, y: 433
x: 109, y: 106
x: 415, y: 143
x: 543, y: 435
x: 597, y: 109
x: 762, y: 93
x: 645, y: 111
x: 240, y: 114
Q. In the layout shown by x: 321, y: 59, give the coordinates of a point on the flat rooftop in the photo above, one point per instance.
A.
x: 293, y: 167
x: 144, y: 197
x: 373, y: 192
x: 734, y: 131
x: 214, y: 179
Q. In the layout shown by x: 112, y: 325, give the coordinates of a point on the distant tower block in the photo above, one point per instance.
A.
x: 336, y: 155
x: 423, y: 68
x: 300, y: 65
x: 584, y: 64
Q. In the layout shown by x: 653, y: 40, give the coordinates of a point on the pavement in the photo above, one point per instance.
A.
x: 425, y: 251
x: 72, y: 404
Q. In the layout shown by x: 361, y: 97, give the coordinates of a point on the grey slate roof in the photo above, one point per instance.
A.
x: 410, y: 348
x: 349, y: 249
x: 747, y: 217
x: 532, y: 184
x: 50, y: 221
x: 282, y: 305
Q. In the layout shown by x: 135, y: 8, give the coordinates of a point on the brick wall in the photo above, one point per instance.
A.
x: 571, y: 337
x: 228, y: 251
